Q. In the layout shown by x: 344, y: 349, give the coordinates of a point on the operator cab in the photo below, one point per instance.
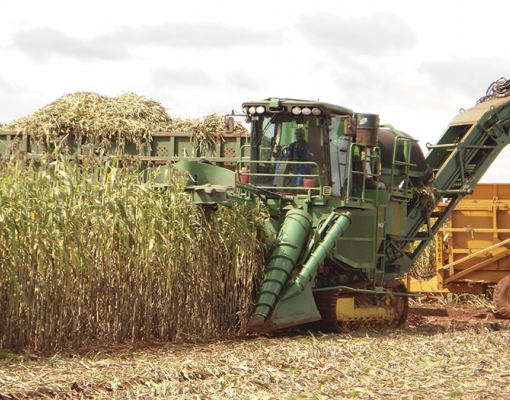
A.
x: 291, y: 144
x: 343, y: 151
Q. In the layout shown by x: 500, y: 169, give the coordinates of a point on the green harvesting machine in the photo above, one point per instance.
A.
x: 352, y: 205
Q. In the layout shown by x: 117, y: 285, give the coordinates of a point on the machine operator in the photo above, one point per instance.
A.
x: 300, y: 150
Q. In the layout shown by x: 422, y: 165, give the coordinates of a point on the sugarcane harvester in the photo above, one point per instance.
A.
x: 352, y: 204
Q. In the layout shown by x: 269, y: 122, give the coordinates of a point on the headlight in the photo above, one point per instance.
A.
x: 251, y: 110
x: 316, y: 111
x: 306, y: 111
x: 261, y: 109
x: 296, y: 110
x: 245, y: 110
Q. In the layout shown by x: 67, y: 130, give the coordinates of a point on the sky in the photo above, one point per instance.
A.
x: 416, y: 64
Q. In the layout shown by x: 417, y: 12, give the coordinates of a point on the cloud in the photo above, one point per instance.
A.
x: 433, y: 85
x: 181, y: 76
x: 166, y: 78
x: 379, y: 88
x: 7, y: 88
x: 470, y: 77
x: 44, y: 42
x: 15, y: 101
x: 243, y: 81
x: 372, y: 36
x: 193, y: 92
x: 198, y: 36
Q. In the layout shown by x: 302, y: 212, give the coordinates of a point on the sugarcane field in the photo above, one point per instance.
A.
x: 145, y: 256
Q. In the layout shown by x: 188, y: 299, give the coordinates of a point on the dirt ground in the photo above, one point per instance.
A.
x: 456, y: 316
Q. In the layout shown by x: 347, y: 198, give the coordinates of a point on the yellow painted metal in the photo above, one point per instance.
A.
x: 347, y: 311
x: 429, y: 286
x: 345, y: 308
x: 502, y: 252
x: 473, y: 247
x: 434, y: 285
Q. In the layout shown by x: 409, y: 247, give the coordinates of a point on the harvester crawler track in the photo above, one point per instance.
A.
x: 369, y: 312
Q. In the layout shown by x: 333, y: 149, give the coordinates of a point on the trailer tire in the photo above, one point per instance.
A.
x: 501, y: 297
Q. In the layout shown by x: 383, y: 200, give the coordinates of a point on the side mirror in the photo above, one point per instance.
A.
x: 229, y: 125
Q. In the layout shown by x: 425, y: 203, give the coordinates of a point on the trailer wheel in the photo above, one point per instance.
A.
x: 501, y: 297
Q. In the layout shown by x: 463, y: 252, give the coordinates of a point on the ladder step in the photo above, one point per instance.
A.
x: 404, y: 163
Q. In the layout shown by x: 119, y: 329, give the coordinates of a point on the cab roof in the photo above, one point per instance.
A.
x: 278, y: 105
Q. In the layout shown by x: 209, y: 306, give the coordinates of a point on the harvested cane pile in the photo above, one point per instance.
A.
x: 128, y: 116
x: 204, y: 131
x: 102, y: 119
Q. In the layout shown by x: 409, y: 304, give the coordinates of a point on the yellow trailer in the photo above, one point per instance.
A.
x: 473, y: 248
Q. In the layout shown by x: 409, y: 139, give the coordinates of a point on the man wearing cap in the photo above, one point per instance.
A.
x: 300, y: 150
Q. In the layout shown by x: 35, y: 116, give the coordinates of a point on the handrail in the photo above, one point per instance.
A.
x: 240, y: 173
x: 375, y: 156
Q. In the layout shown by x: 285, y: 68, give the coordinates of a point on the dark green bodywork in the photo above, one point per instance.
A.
x: 368, y: 221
